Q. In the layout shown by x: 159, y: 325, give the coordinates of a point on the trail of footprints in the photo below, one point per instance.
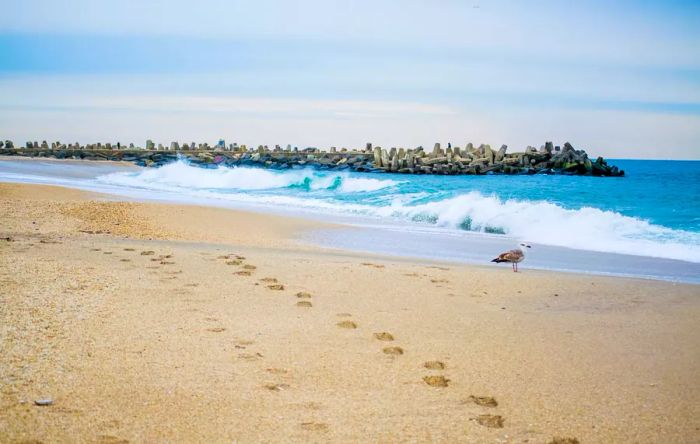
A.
x: 157, y: 260
x: 304, y: 300
x: 271, y: 283
x: 432, y: 380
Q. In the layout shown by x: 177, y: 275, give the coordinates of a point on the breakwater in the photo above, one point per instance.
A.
x: 548, y: 159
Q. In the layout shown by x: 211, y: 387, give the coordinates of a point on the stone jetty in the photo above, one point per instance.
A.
x: 451, y: 160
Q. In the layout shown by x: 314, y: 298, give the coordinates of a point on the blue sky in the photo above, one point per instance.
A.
x: 620, y: 80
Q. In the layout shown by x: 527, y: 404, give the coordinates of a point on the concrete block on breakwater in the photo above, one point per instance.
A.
x: 549, y: 159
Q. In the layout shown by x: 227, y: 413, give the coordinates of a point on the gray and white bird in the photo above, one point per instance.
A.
x: 513, y: 256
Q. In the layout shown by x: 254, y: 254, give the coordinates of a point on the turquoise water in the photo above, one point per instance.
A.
x: 666, y: 193
x: 654, y: 211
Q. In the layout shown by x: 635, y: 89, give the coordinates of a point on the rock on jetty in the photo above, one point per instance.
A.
x: 549, y: 159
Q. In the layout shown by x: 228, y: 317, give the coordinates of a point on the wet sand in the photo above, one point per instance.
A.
x: 145, y: 322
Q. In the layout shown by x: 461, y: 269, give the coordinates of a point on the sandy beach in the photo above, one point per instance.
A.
x: 146, y: 322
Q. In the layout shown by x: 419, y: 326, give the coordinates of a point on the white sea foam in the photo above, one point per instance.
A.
x: 546, y: 223
x: 534, y: 221
x: 181, y: 175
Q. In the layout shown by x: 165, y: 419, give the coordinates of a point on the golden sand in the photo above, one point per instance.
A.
x: 135, y: 322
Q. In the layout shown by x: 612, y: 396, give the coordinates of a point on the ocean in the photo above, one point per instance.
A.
x: 650, y: 217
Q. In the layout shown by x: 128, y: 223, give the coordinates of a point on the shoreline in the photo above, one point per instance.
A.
x: 158, y: 322
x: 382, y: 236
x: 307, y: 229
x: 476, y: 251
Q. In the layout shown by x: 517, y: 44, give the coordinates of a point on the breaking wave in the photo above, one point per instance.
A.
x: 182, y: 175
x: 547, y: 223
x: 536, y: 221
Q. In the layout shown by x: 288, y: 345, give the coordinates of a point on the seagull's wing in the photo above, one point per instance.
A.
x: 511, y: 256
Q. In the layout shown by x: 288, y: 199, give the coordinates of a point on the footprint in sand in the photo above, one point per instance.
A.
x: 434, y: 365
x: 384, y: 336
x: 124, y: 260
x: 343, y: 315
x: 436, y: 381
x: 216, y: 329
x: 346, y: 324
x: 269, y: 280
x: 231, y: 256
x: 276, y: 387
x: 277, y: 287
x: 49, y: 241
x: 167, y: 263
x: 492, y: 421
x: 305, y: 304
x: 107, y: 252
x: 129, y: 249
x: 369, y: 264
x: 234, y: 262
x: 306, y: 406
x: 95, y: 249
x: 242, y: 273
x: 560, y: 440
x: 303, y: 295
x: 277, y: 371
x: 395, y: 351
x: 192, y: 285
x: 148, y: 253
x: 483, y: 401
x: 249, y: 267
x: 314, y: 426
x: 109, y: 439
x: 110, y: 424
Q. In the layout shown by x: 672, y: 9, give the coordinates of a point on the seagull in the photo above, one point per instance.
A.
x: 513, y: 256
